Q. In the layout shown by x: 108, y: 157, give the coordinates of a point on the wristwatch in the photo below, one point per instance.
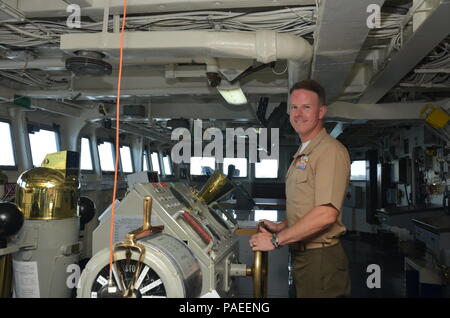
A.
x: 275, y: 240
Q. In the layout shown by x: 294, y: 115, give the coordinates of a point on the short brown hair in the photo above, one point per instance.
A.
x: 313, y: 86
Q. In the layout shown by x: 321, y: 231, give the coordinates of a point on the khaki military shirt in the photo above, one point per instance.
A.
x: 318, y: 175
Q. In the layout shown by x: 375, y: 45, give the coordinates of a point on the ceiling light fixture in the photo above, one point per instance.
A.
x: 232, y: 94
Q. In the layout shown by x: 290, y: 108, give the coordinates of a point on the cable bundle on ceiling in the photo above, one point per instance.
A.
x: 298, y: 21
x: 434, y: 70
x: 31, y: 79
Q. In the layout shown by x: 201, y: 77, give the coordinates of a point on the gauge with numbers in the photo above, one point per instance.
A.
x: 169, y: 269
x: 148, y: 284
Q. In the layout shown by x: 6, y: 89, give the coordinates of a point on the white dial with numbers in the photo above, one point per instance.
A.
x: 169, y: 269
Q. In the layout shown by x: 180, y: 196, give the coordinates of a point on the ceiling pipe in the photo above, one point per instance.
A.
x: 263, y: 45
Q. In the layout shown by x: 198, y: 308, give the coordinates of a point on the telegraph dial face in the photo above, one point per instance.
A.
x: 148, y: 284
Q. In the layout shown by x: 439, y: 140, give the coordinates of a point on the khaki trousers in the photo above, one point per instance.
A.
x: 321, y: 272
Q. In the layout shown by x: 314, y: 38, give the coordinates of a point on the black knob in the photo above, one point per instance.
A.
x: 87, y: 210
x: 231, y: 169
x: 11, y: 221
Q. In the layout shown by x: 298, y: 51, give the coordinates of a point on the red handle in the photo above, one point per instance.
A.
x: 197, y: 227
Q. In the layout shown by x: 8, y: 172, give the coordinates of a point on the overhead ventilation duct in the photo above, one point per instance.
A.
x: 88, y: 63
x: 264, y: 45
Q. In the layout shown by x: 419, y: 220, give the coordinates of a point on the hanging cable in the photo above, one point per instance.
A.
x: 119, y: 81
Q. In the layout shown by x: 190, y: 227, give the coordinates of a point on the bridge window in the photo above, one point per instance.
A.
x: 155, y: 162
x: 126, y: 159
x: 42, y: 142
x: 145, y: 161
x: 240, y: 165
x: 167, y: 165
x: 266, y: 168
x: 202, y: 165
x: 271, y: 215
x: 106, y: 154
x: 358, y: 170
x: 86, y: 155
x: 7, y: 158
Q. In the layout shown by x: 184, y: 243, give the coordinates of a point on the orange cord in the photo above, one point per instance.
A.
x: 119, y: 81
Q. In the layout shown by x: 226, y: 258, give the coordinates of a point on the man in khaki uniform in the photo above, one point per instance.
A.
x: 316, y: 183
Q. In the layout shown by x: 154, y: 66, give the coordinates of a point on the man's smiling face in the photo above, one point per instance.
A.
x: 306, y: 113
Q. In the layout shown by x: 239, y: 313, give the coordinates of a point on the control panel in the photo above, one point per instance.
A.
x: 205, y: 230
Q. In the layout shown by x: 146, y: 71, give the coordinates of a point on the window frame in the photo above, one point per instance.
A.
x: 265, y: 178
x: 13, y: 143
x: 146, y: 158
x: 201, y: 175
x: 159, y: 163
x: 131, y: 155
x: 54, y: 128
x: 92, y: 155
x: 365, y: 169
x: 170, y: 165
x: 113, y: 150
x: 225, y: 172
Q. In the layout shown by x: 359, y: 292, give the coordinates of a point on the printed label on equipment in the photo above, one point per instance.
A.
x: 26, y: 279
x: 102, y: 280
x: 141, y: 277
x: 145, y: 289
